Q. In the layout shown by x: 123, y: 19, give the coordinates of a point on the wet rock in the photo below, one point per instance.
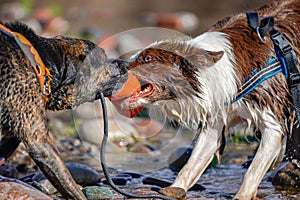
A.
x: 120, y: 179
x: 288, y: 177
x: 8, y: 170
x: 97, y: 192
x: 179, y: 157
x: 70, y: 145
x: 156, y: 181
x: 22, y: 168
x: 166, y: 183
x: 133, y: 174
x: 145, y: 189
x: 174, y: 192
x: 83, y: 175
x: 57, y: 25
x: 38, y: 177
x: 13, y: 190
x: 92, y: 32
x: 6, y: 179
x: 43, y: 15
x: 28, y: 178
x: 45, y: 186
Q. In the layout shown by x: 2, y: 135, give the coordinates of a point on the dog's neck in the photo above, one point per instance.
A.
x: 49, y: 50
x: 206, y: 103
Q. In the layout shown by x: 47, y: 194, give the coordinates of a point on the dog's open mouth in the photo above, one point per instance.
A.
x: 146, y: 90
x: 126, y: 100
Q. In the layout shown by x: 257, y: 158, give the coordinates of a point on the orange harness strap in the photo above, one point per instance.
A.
x: 42, y: 72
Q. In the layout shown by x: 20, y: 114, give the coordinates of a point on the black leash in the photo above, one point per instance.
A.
x: 104, y: 166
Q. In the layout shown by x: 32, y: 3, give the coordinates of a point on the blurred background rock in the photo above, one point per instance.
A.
x: 101, y: 17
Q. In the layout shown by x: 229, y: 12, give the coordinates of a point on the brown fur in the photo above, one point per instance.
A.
x: 182, y: 79
x: 251, y: 53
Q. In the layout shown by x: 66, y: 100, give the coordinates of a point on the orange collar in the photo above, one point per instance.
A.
x: 41, y: 71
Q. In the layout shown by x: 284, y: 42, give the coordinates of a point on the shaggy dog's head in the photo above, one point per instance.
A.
x: 168, y: 74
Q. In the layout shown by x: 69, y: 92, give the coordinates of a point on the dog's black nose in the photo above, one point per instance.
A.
x: 120, y: 64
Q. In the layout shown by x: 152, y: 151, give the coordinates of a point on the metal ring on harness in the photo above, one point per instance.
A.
x: 38, y: 69
x: 263, y: 40
x: 46, y: 91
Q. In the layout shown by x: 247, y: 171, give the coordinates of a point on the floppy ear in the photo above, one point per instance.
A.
x: 191, y: 53
x: 215, y: 56
x: 197, y: 56
x: 205, y: 58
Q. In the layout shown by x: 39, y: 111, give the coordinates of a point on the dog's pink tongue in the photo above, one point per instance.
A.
x: 130, y: 88
x: 126, y: 112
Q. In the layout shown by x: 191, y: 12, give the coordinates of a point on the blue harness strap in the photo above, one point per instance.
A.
x: 257, y: 77
x: 285, y: 61
x: 286, y: 57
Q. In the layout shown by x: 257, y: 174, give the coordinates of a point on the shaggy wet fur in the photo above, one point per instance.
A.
x: 194, y: 82
x: 80, y: 71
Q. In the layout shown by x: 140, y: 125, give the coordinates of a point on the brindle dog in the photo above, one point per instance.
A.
x: 79, y: 70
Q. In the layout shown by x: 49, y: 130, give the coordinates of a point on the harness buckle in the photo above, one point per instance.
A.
x: 294, y: 79
x: 280, y: 42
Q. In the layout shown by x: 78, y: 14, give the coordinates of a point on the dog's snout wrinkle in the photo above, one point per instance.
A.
x: 118, y: 66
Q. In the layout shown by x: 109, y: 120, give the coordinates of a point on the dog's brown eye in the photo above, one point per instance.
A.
x: 147, y: 58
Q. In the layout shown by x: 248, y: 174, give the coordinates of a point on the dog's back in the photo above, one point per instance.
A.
x: 251, y: 53
x: 16, y: 82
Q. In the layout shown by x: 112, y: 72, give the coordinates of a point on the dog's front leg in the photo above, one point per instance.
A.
x: 207, y: 144
x: 269, y: 148
x: 44, y: 152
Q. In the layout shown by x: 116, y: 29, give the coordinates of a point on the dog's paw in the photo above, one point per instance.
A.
x: 174, y: 192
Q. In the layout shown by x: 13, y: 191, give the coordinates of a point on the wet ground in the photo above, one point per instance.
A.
x: 220, y: 182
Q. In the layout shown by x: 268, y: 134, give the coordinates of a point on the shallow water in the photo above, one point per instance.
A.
x: 220, y: 182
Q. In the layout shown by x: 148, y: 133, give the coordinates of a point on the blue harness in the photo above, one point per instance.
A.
x: 284, y: 63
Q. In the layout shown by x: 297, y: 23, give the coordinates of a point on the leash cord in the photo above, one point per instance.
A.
x: 104, y: 166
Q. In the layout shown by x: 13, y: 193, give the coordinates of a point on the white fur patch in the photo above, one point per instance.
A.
x: 218, y: 81
x: 217, y: 84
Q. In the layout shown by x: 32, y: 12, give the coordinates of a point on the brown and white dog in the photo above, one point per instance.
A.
x: 194, y: 81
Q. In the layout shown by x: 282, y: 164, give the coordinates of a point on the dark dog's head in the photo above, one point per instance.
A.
x: 84, y: 73
x: 169, y: 76
x: 79, y: 68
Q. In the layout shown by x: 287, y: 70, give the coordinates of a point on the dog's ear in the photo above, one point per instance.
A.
x: 203, y: 58
x: 215, y: 56
x: 199, y: 57
x: 194, y: 55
